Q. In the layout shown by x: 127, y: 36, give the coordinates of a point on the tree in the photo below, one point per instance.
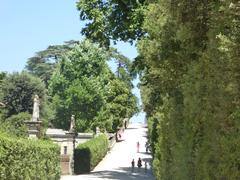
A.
x: 83, y: 85
x: 121, y: 103
x: 44, y: 62
x: 124, y: 66
x: 78, y: 84
x: 18, y: 91
x: 112, y: 20
x: 189, y: 66
x: 2, y: 105
x: 2, y: 76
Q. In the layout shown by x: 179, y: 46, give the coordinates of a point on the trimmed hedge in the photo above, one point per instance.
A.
x: 28, y: 159
x: 89, y: 154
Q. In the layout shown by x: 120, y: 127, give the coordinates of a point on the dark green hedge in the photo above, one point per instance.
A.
x: 89, y: 154
x: 28, y: 159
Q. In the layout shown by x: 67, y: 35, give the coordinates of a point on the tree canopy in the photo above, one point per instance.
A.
x: 189, y: 69
x: 112, y: 20
x: 44, y: 62
x: 81, y: 86
x: 18, y: 90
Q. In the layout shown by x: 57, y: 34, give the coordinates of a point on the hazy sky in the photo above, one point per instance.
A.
x: 30, y: 26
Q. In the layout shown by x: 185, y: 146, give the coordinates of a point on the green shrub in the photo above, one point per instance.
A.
x: 89, y: 154
x: 15, y: 125
x: 28, y: 159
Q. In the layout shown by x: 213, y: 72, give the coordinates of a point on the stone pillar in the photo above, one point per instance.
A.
x: 36, y: 104
x: 34, y: 125
x: 33, y: 128
x: 72, y: 134
x: 72, y: 124
x: 97, y: 131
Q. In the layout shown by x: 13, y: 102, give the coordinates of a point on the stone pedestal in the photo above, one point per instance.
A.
x: 98, y: 131
x: 33, y: 128
x: 72, y: 135
x: 65, y: 164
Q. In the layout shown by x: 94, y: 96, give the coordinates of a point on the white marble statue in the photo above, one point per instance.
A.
x: 36, y: 103
x: 72, y: 124
x: 97, y: 130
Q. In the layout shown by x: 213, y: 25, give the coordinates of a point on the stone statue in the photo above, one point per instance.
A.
x: 72, y: 124
x: 97, y: 130
x: 35, y: 115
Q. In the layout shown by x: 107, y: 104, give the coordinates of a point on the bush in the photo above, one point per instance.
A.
x: 89, y: 154
x: 15, y: 125
x: 28, y: 159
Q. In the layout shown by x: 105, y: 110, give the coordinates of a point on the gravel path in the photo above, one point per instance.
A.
x: 117, y: 163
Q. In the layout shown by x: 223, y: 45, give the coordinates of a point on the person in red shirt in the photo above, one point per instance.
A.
x: 138, y: 146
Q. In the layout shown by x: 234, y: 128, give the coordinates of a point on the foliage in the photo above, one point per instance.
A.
x: 18, y: 90
x: 89, y: 154
x: 190, y: 84
x: 44, y: 62
x: 28, y: 159
x: 124, y: 66
x: 2, y: 76
x: 78, y: 85
x: 190, y: 88
x: 82, y: 85
x: 120, y: 102
x: 15, y: 125
x: 112, y: 20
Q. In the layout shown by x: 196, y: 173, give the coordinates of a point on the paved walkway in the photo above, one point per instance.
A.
x: 117, y: 163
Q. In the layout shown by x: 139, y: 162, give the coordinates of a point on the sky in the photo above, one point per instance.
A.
x: 30, y: 26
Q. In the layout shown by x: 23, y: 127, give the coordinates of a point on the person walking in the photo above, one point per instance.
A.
x: 138, y: 146
x: 139, y: 164
x: 133, y: 165
x: 147, y: 147
x: 145, y: 166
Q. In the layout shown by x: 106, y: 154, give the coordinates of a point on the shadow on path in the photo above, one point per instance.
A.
x: 124, y: 173
x: 148, y: 153
x: 120, y: 140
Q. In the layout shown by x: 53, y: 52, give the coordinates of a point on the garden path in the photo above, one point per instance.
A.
x: 117, y: 163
